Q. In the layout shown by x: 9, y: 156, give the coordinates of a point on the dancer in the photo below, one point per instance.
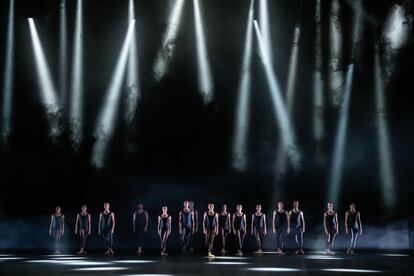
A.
x: 164, y: 229
x: 83, y: 227
x: 353, y: 226
x: 239, y: 224
x: 192, y: 236
x: 224, y: 227
x: 258, y: 228
x: 140, y: 225
x: 57, y: 227
x: 186, y: 226
x: 106, y: 228
x: 330, y: 223
x: 280, y: 218
x: 296, y: 224
x: 210, y: 228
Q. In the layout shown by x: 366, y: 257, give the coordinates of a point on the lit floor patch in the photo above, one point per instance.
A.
x: 350, y: 270
x: 134, y: 261
x: 273, y: 269
x: 108, y: 268
x: 227, y: 263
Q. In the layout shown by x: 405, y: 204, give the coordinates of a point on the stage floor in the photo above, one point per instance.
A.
x: 313, y: 264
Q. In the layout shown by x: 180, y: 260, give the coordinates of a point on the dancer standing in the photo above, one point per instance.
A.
x: 258, y: 228
x: 164, y: 229
x: 353, y: 227
x: 224, y: 227
x: 140, y: 225
x: 330, y: 222
x: 186, y: 226
x: 239, y: 224
x: 210, y: 228
x: 57, y: 227
x: 196, y: 224
x: 106, y: 228
x: 296, y: 224
x: 280, y: 218
x: 83, y: 227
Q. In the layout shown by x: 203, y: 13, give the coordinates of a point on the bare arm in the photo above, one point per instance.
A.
x: 303, y: 221
x: 274, y: 222
x: 63, y: 225
x: 169, y: 225
x: 324, y: 223
x: 76, y: 224
x: 196, y: 220
x: 245, y: 222
x: 133, y: 221
x: 146, y: 221
x: 99, y: 223
x: 180, y: 225
x: 251, y: 224
x: 89, y: 224
x: 229, y: 221
x: 113, y: 223
x: 193, y: 222
x: 288, y: 221
x: 337, y: 223
x: 360, y: 223
x: 51, y: 223
x: 232, y: 224
x: 265, y: 226
x: 346, y: 222
x: 216, y: 219
x: 159, y: 226
x: 204, y: 223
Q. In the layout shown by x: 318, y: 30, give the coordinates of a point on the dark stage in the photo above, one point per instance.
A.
x: 269, y: 263
x: 233, y: 102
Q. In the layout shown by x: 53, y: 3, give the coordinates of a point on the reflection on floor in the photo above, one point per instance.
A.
x: 314, y: 264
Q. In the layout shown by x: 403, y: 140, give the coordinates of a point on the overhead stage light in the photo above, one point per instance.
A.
x: 8, y: 74
x: 166, y: 53
x: 205, y: 82
x: 241, y: 127
x: 47, y: 89
x: 107, y: 117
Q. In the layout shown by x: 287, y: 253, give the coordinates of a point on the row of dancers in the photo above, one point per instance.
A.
x: 213, y: 224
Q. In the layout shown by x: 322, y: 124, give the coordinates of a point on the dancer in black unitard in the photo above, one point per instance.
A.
x: 210, y: 228
x: 83, y: 227
x: 140, y: 225
x: 280, y: 218
x: 330, y: 223
x: 258, y: 229
x: 239, y: 224
x: 353, y: 227
x: 224, y: 227
x: 296, y: 226
x: 57, y: 227
x: 164, y: 229
x: 186, y: 226
x: 106, y: 228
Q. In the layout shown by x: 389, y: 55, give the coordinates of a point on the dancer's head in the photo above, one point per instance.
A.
x: 296, y: 204
x: 84, y: 208
x: 280, y: 205
x: 106, y: 205
x: 258, y: 208
x: 224, y: 208
x: 58, y: 209
x: 164, y: 209
x: 186, y: 204
x: 211, y: 207
x: 239, y: 208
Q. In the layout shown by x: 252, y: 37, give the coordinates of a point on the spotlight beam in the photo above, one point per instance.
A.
x: 47, y: 88
x: 318, y: 86
x: 386, y: 172
x: 336, y: 171
x: 265, y: 27
x: 76, y: 104
x: 205, y: 83
x: 282, y: 116
x: 107, y: 117
x: 242, y: 106
x: 166, y: 53
x: 132, y: 81
x: 290, y: 93
x: 6, y: 116
x: 63, y: 52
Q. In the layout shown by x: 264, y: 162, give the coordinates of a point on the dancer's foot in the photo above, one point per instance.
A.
x: 209, y: 255
x: 301, y: 252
